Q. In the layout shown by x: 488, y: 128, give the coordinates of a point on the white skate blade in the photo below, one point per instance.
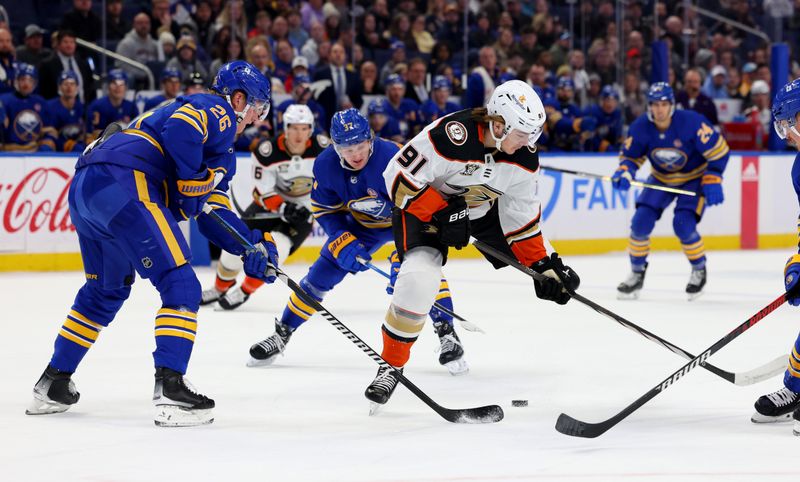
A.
x: 45, y: 407
x: 694, y: 296
x: 374, y: 408
x: 633, y: 295
x: 457, y: 367
x: 256, y: 363
x: 796, y: 429
x: 759, y: 418
x: 175, y: 416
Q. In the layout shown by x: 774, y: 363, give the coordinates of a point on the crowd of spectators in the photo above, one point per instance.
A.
x: 403, y: 62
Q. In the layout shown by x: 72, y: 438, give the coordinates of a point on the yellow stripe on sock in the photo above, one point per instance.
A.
x: 69, y: 336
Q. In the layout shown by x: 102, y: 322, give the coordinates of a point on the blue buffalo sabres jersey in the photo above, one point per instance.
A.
x: 608, y: 134
x: 182, y: 140
x: 102, y: 112
x: 688, y: 149
x: 68, y: 124
x: 339, y: 194
x: 407, y: 115
x: 431, y: 111
x: 24, y: 123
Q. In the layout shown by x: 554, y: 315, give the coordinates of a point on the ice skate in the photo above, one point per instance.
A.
x: 777, y: 407
x: 210, y: 296
x: 177, y: 402
x: 54, y: 393
x: 796, y: 428
x: 380, y: 390
x: 233, y: 299
x: 629, y: 289
x: 451, y: 351
x: 697, y: 281
x: 266, y: 351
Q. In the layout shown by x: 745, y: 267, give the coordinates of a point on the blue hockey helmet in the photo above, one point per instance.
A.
x: 243, y: 76
x: 67, y: 75
x: 660, y: 91
x: 377, y: 106
x: 170, y: 74
x: 115, y: 75
x: 349, y: 128
x: 609, y: 91
x: 785, y: 108
x: 441, y: 82
x: 394, y: 79
x: 29, y: 70
x: 565, y: 82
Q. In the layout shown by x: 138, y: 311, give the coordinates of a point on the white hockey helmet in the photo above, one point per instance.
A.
x: 298, y: 114
x: 520, y: 107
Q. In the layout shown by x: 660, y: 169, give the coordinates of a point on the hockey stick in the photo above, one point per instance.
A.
x: 469, y: 326
x: 633, y: 182
x: 485, y: 414
x: 576, y: 428
x: 755, y: 375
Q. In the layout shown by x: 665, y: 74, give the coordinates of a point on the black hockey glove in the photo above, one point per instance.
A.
x: 561, y: 280
x: 453, y: 223
x: 294, y: 213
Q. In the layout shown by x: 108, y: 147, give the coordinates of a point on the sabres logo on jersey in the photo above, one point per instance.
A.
x: 27, y: 125
x: 371, y: 212
x: 668, y: 159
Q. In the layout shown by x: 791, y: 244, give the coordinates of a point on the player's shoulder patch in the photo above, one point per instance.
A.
x: 456, y: 132
x: 323, y: 140
x: 456, y: 137
x: 265, y: 152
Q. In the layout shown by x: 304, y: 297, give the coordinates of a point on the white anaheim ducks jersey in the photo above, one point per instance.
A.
x: 279, y: 176
x: 448, y: 158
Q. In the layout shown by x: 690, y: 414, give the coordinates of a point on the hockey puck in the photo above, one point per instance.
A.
x: 519, y: 403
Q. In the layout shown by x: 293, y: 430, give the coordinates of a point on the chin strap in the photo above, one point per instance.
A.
x: 498, y: 140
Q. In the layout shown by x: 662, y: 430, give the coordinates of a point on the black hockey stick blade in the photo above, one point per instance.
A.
x: 750, y: 377
x: 486, y: 414
x: 577, y: 428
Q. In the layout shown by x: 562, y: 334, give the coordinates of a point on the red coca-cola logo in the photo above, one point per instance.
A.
x: 33, y: 203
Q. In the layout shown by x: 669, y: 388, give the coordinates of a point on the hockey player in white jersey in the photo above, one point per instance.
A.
x: 471, y: 173
x: 282, y: 174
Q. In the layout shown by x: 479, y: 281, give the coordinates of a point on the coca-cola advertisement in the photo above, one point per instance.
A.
x: 34, y: 211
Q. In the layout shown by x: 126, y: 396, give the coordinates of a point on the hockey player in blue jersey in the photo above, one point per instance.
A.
x: 438, y: 104
x: 403, y: 109
x: 170, y: 88
x: 568, y: 127
x: 112, y: 108
x: 302, y: 94
x: 65, y: 115
x: 130, y: 190
x: 784, y: 405
x: 684, y: 152
x: 25, y: 126
x: 349, y: 200
x: 381, y: 123
x: 608, y: 134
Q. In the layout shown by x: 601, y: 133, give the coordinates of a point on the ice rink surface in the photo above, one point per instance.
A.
x: 305, y: 418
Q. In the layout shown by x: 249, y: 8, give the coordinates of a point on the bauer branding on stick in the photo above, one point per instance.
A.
x: 519, y: 403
